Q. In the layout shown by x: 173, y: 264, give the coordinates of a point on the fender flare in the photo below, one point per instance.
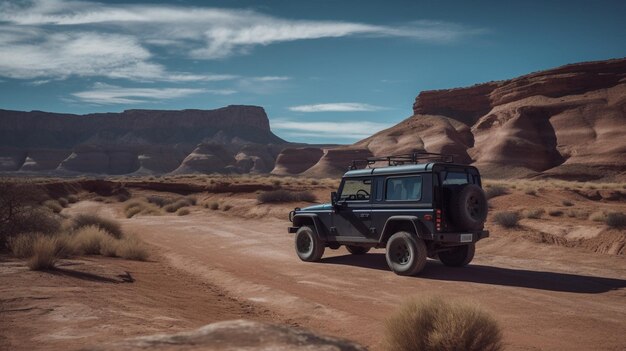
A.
x: 300, y: 218
x: 413, y: 220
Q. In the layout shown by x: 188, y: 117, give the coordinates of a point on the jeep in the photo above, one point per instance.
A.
x: 417, y: 206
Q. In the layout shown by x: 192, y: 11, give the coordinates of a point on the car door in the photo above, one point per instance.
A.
x: 353, y: 216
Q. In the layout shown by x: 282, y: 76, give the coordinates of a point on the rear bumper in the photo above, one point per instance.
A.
x: 461, y: 238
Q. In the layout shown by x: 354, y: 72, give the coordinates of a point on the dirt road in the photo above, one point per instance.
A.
x: 544, y: 296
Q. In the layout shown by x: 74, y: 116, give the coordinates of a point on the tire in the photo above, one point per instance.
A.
x: 308, y: 246
x: 469, y: 208
x: 406, y: 254
x: 459, y: 256
x: 357, y: 250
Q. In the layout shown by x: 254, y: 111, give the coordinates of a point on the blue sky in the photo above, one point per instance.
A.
x: 325, y: 71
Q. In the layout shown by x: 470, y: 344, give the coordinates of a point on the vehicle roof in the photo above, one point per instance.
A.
x: 403, y: 169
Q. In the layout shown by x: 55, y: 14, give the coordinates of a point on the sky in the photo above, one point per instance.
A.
x: 325, y: 71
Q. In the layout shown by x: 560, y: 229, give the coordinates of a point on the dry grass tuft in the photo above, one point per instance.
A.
x: 63, y: 202
x: 555, y: 213
x: 87, y: 240
x: 214, y: 205
x: 567, y: 203
x: 180, y: 203
x: 22, y: 245
x: 132, y: 248
x: 111, y: 226
x: 183, y: 212
x: 495, y: 190
x: 72, y: 199
x: 616, y: 220
x: 434, y: 324
x: 53, y: 206
x: 45, y: 253
x: 534, y: 213
x: 277, y: 196
x: 506, y: 219
x: 159, y: 200
x: 141, y: 207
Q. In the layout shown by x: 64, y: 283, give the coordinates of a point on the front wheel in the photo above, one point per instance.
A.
x: 406, y: 254
x: 308, y: 246
x: 458, y: 256
x: 357, y: 250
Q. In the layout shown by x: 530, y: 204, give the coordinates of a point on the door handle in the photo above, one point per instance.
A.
x: 364, y: 215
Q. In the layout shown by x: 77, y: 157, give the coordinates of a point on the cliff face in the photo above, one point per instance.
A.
x: 136, y: 141
x: 568, y: 122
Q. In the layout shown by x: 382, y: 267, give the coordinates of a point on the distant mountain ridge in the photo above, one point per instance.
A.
x: 139, y: 141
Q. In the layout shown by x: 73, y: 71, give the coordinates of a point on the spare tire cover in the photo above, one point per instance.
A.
x: 469, y: 208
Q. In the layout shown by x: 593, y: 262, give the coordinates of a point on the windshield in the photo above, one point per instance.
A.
x: 356, y: 189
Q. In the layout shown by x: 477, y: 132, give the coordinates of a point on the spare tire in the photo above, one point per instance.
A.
x: 469, y: 207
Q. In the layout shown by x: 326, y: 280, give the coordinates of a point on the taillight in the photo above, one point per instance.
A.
x: 438, y: 220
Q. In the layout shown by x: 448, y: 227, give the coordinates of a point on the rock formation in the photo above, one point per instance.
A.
x: 567, y: 122
x: 230, y: 139
x: 234, y: 335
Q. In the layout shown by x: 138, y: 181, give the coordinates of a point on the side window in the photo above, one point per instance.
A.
x: 404, y: 189
x: 455, y: 178
x: 356, y: 189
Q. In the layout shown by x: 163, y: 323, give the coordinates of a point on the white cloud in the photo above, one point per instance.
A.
x: 337, y: 130
x: 337, y: 107
x: 54, y: 38
x: 106, y: 94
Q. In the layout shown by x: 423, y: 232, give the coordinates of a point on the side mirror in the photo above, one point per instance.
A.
x: 333, y: 198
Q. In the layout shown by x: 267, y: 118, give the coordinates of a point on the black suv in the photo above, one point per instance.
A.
x: 419, y: 205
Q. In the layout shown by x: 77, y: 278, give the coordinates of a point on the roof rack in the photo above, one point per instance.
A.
x: 396, y: 160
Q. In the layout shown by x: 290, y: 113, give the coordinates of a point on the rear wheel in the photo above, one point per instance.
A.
x: 406, y: 254
x: 308, y: 246
x: 357, y: 250
x: 458, y: 256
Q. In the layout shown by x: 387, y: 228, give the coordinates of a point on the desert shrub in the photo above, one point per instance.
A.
x: 132, y: 248
x: 276, y: 183
x: 314, y: 182
x: 214, y: 205
x: 535, y: 213
x: 598, y: 216
x: 108, y: 246
x: 44, y: 253
x: 567, y: 203
x: 277, y: 196
x: 555, y: 213
x: 495, y: 190
x: 99, y: 199
x: 616, y: 220
x: 506, y: 219
x: 53, y: 206
x: 180, y: 203
x: 159, y: 200
x: 87, y: 240
x: 30, y: 221
x: 531, y: 192
x: 141, y: 207
x: 123, y: 196
x: 183, y: 212
x: 192, y: 200
x: 22, y: 245
x: 109, y: 225
x: 72, y: 199
x: 63, y: 202
x: 226, y: 207
x: 435, y: 324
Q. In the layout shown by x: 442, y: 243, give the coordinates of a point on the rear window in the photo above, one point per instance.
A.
x: 404, y: 189
x: 455, y: 178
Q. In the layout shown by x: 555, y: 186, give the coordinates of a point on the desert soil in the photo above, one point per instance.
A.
x: 214, y: 265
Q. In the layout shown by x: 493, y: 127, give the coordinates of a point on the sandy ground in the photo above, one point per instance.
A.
x: 545, y: 296
x: 214, y: 265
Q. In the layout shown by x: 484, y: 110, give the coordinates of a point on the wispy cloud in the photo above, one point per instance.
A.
x: 54, y: 38
x: 350, y: 131
x: 105, y: 94
x: 337, y: 107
